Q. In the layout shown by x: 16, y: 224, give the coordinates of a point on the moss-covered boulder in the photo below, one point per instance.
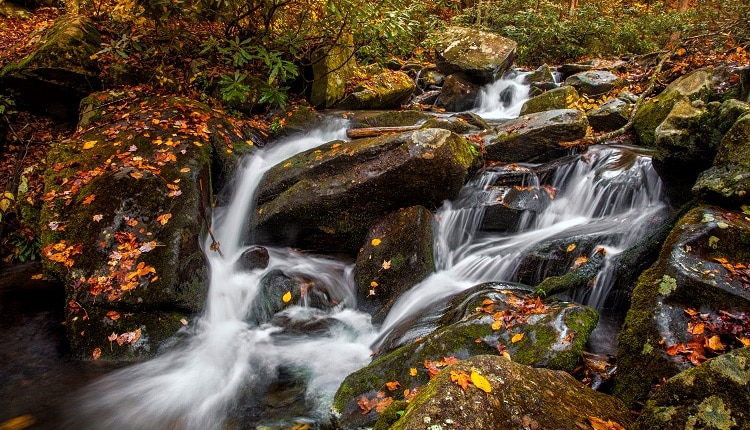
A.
x: 480, y: 55
x: 536, y: 138
x: 388, y: 118
x: 728, y: 180
x: 327, y: 198
x: 711, y: 396
x: 458, y: 94
x: 694, y: 86
x: 59, y: 72
x: 506, y: 395
x: 125, y: 204
x: 386, y: 90
x: 396, y: 255
x: 564, y: 97
x: 595, y: 83
x: 487, y: 319
x: 610, y: 116
x: 333, y: 67
x: 683, y: 305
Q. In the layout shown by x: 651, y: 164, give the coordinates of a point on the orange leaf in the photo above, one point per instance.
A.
x: 600, y: 424
x: 375, y: 242
x: 392, y: 385
x: 163, y: 218
x: 89, y: 199
x: 96, y: 353
x: 381, y: 404
x: 447, y: 361
x: 714, y: 343
x: 497, y: 325
x: 460, y: 378
x: 136, y: 175
x: 113, y: 315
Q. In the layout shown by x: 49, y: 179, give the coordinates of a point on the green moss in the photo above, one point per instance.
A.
x: 390, y: 415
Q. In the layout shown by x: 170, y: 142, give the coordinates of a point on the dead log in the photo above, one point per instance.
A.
x: 356, y: 133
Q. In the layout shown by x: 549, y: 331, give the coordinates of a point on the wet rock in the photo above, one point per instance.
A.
x: 11, y: 10
x: 695, y: 86
x: 694, y: 274
x: 570, y: 69
x: 728, y: 180
x: 253, y: 258
x: 299, y: 118
x: 541, y: 78
x: 453, y: 123
x: 594, y: 83
x: 559, y: 98
x: 59, y: 72
x: 520, y: 397
x: 123, y: 213
x: 430, y: 78
x: 480, y: 55
x: 388, y: 119
x: 396, y: 255
x: 328, y: 197
x: 333, y: 67
x: 536, y: 137
x: 387, y: 90
x: 458, y: 94
x: 548, y: 334
x: 610, y: 116
x: 714, y: 395
x: 278, y: 291
x: 427, y: 98
x: 511, y: 204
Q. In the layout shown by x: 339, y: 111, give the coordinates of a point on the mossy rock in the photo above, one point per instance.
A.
x: 333, y: 67
x: 711, y: 396
x: 564, y: 97
x: 692, y: 272
x: 610, y: 116
x: 125, y: 204
x: 387, y: 90
x: 458, y: 93
x: 695, y: 86
x: 328, y: 197
x: 59, y: 72
x: 513, y: 396
x: 388, y: 118
x: 595, y: 83
x: 480, y: 55
x: 397, y: 254
x: 553, y: 337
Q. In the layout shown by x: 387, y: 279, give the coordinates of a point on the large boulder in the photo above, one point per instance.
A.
x: 396, y: 255
x: 333, y: 67
x: 126, y: 200
x: 59, y: 72
x: 685, y: 308
x: 506, y: 395
x: 711, y: 396
x: 694, y: 86
x: 595, y: 83
x: 500, y: 318
x: 386, y: 90
x: 481, y: 55
x: 328, y: 197
x: 611, y: 115
x: 458, y: 94
x: 536, y: 137
x: 728, y: 180
x: 388, y: 118
x: 564, y: 97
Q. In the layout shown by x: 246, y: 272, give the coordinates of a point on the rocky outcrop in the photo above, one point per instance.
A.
x: 387, y: 90
x: 684, y: 304
x: 327, y: 198
x: 480, y: 55
x: 487, y: 319
x: 513, y: 397
x: 712, y: 396
x: 396, y: 255
x: 124, y: 206
x: 535, y: 138
x: 59, y: 72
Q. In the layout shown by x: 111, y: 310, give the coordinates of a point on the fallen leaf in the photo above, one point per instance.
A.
x: 571, y: 247
x: 497, y: 325
x: 714, y: 342
x: 386, y: 264
x: 183, y: 321
x: 89, y: 144
x: 96, y: 353
x: 163, y: 218
x: 89, y: 199
x: 18, y: 423
x: 392, y: 385
x: 113, y: 315
x: 460, y: 378
x: 97, y: 217
x: 185, y: 170
x: 413, y: 371
x: 480, y: 381
x: 600, y: 424
x: 287, y: 297
x: 136, y: 175
x: 517, y: 337
x: 375, y: 242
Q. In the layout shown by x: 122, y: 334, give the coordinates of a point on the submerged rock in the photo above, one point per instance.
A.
x: 59, y: 72
x: 678, y: 303
x: 480, y: 55
x: 328, y: 197
x: 536, y: 137
x: 514, y: 397
x: 486, y: 319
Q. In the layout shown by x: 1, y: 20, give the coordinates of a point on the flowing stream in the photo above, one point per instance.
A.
x: 218, y: 372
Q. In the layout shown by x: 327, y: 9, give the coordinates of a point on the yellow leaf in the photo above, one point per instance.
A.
x: 287, y: 297
x: 413, y: 371
x: 373, y: 284
x: 375, y: 242
x: 480, y: 381
x: 745, y: 341
x: 571, y: 247
x: 386, y: 264
x: 185, y: 169
x: 18, y: 423
x: 516, y: 337
x: 497, y: 325
x: 714, y: 342
x: 89, y: 144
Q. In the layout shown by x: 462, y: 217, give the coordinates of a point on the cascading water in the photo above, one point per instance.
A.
x: 504, y: 98
x: 232, y: 354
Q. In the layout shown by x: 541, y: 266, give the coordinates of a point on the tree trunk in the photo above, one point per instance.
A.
x: 683, y: 5
x: 573, y: 6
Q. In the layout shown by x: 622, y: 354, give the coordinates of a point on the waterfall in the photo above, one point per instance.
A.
x: 224, y: 364
x: 504, y: 98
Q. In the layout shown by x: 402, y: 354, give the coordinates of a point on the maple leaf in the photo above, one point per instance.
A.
x: 97, y: 217
x: 447, y: 361
x: 365, y: 405
x: 386, y: 264
x: 89, y: 199
x: 392, y: 385
x: 460, y: 378
x: 412, y: 371
x: 163, y: 219
x: 112, y: 337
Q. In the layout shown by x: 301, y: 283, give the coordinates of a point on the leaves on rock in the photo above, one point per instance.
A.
x: 287, y: 297
x: 600, y: 424
x: 480, y: 381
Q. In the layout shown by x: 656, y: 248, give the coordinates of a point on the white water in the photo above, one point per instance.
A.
x: 224, y: 361
x: 503, y: 99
